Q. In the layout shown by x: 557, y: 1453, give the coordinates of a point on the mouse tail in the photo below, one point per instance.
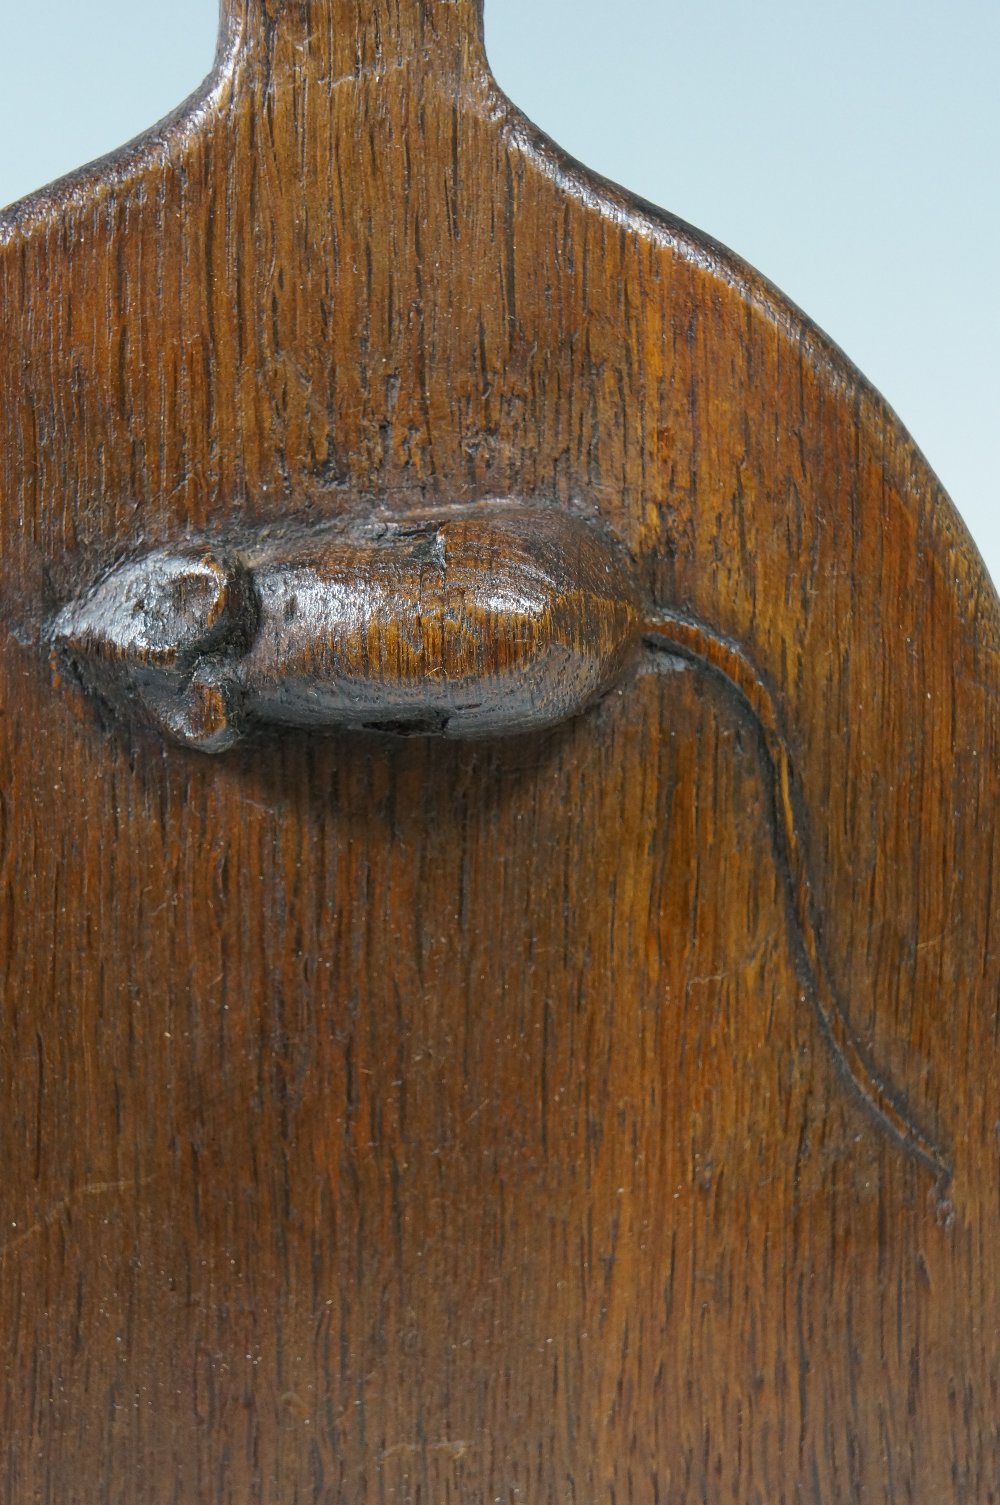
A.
x: 729, y: 664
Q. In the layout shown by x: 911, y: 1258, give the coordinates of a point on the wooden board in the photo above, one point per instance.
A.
x: 408, y: 1120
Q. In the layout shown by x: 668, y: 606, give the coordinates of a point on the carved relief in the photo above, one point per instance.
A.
x: 479, y: 621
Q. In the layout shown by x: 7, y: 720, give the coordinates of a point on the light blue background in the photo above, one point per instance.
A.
x: 849, y: 150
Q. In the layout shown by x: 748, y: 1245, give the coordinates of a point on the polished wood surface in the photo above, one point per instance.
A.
x: 601, y: 1113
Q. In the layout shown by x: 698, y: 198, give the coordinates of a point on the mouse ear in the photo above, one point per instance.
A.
x: 155, y: 635
x: 205, y: 713
x: 160, y: 611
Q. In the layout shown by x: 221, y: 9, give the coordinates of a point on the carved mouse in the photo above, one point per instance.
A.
x: 479, y: 621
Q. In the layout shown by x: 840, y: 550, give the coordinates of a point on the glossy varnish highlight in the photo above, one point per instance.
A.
x: 484, y: 621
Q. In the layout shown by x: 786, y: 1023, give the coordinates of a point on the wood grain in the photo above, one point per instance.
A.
x: 409, y: 1120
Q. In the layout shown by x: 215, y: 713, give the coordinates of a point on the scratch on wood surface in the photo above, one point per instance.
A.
x: 457, y: 1449
x: 82, y: 1194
